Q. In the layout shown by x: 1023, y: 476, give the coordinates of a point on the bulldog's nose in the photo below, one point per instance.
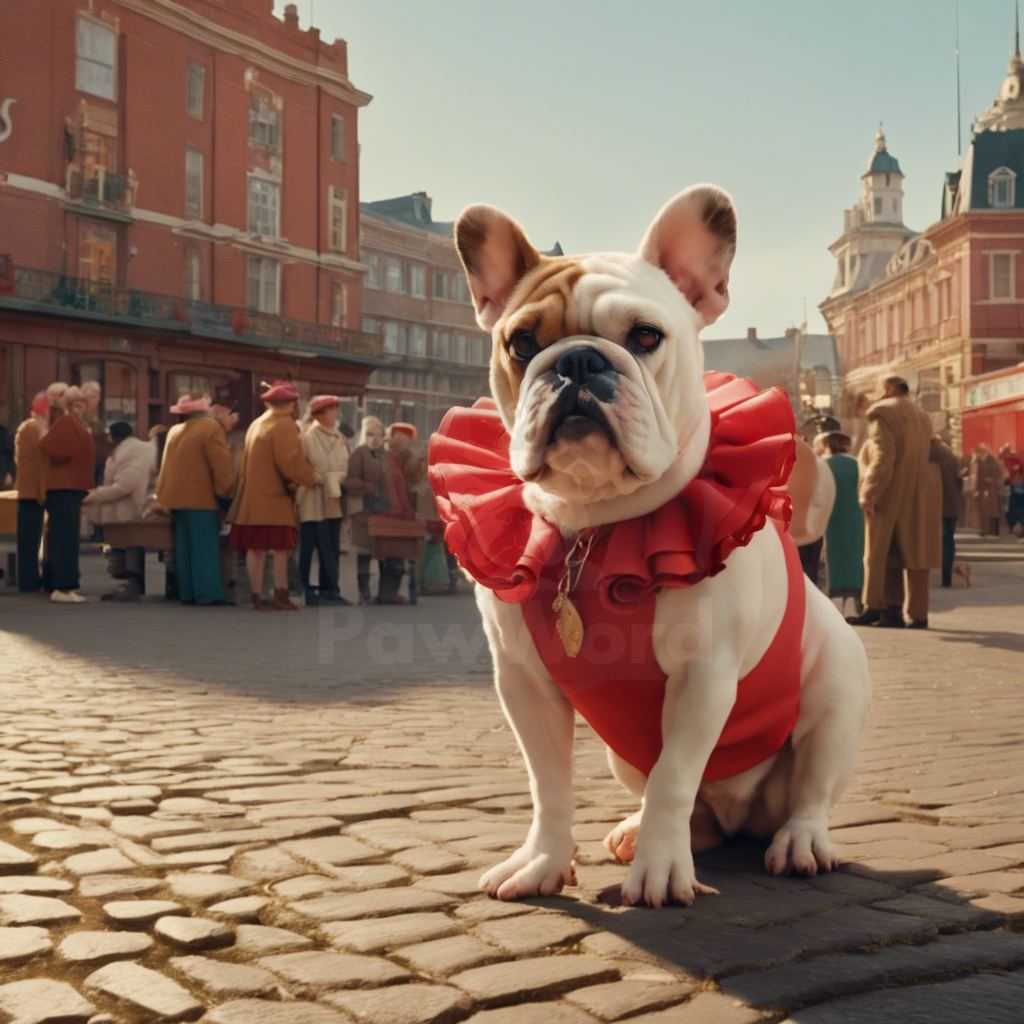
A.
x: 580, y: 364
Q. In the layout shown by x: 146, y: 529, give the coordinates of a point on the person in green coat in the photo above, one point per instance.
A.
x: 844, y: 535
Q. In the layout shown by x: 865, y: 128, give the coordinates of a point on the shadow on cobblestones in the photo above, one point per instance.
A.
x: 982, y: 638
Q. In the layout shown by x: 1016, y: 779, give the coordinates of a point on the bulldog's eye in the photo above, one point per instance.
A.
x: 643, y: 338
x: 523, y: 346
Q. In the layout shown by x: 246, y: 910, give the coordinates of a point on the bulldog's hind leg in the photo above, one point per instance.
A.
x: 834, y: 696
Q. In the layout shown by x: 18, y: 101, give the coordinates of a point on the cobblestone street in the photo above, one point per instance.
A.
x: 251, y: 819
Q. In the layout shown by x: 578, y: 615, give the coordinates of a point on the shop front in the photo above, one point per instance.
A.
x: 993, y: 410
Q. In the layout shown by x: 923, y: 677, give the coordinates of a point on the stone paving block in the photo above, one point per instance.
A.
x: 966, y: 862
x: 70, y: 839
x: 984, y: 883
x: 704, y: 1008
x: 103, y: 947
x: 289, y: 791
x: 462, y: 883
x: 828, y: 977
x: 259, y: 939
x: 628, y: 998
x: 448, y: 955
x: 498, y: 984
x: 195, y: 887
x: 193, y: 933
x: 242, y: 908
x: 99, y: 862
x: 403, y: 1004
x: 945, y: 914
x: 97, y: 795
x: 101, y: 886
x: 267, y: 865
x: 41, y: 1001
x: 555, y: 1012
x: 18, y: 944
x: 144, y: 828
x: 857, y: 927
x: 197, y: 806
x: 30, y: 826
x: 36, y: 885
x: 1010, y: 908
x: 981, y: 999
x: 429, y: 860
x: 522, y: 936
x: 16, y: 908
x: 16, y: 862
x: 145, y: 990
x: 140, y: 913
x: 260, y: 1011
x: 331, y: 850
x: 314, y: 970
x: 350, y: 879
x: 371, y: 903
x: 223, y: 980
x: 200, y: 858
x: 374, y: 935
x: 485, y: 909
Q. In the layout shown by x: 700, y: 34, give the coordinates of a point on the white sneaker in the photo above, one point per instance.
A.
x: 67, y: 597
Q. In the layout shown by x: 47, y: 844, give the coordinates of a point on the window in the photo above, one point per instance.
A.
x: 878, y: 206
x: 196, y: 78
x: 97, y: 254
x: 264, y: 212
x: 417, y: 340
x: 440, y: 285
x: 373, y: 274
x: 338, y: 138
x: 393, y: 282
x: 418, y: 281
x: 460, y: 348
x: 339, y: 219
x: 368, y: 324
x: 442, y: 345
x: 339, y: 304
x: 261, y: 284
x: 460, y: 290
x: 1001, y: 276
x: 264, y: 120
x: 192, y: 272
x: 193, y: 183
x: 1002, y: 184
x: 396, y: 337
x: 95, y: 56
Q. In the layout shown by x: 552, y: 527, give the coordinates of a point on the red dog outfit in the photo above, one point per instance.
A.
x: 615, y: 682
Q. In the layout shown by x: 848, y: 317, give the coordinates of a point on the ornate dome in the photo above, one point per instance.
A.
x: 1007, y: 110
x: 881, y: 160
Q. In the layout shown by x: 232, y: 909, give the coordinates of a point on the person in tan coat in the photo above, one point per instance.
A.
x: 986, y: 481
x: 901, y: 493
x: 31, y: 486
x: 263, y: 516
x: 195, y: 472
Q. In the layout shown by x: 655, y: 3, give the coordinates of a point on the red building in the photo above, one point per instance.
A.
x: 179, y: 204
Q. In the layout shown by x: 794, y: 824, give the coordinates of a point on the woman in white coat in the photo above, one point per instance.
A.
x: 319, y: 507
x: 126, y: 483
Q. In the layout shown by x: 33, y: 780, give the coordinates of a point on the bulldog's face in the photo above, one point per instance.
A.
x: 597, y: 367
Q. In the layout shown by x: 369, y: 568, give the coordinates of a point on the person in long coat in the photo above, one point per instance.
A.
x: 986, y: 481
x: 952, y: 493
x: 263, y: 516
x: 320, y: 510
x: 30, y: 482
x: 399, y: 440
x: 844, y: 536
x: 70, y: 472
x: 195, y: 471
x: 900, y: 493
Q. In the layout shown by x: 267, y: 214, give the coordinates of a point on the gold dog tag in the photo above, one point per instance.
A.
x: 569, y: 625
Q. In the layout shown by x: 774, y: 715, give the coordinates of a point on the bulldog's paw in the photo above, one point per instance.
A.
x: 801, y: 845
x: 621, y: 841
x: 533, y: 870
x: 663, y: 872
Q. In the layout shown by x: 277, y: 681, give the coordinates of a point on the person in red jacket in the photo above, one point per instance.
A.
x: 70, y: 455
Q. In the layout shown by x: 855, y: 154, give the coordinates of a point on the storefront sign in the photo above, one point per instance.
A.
x: 6, y: 127
x: 1002, y: 389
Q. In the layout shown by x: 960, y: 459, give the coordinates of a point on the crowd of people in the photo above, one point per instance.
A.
x: 289, y: 487
x: 897, y: 507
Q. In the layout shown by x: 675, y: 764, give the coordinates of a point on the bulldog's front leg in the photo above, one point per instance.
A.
x: 698, y: 700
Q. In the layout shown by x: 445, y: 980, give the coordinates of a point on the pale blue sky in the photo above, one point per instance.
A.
x: 580, y: 119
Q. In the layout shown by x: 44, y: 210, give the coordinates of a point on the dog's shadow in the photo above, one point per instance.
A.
x: 758, y: 939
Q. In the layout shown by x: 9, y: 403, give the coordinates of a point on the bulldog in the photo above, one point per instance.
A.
x: 604, y: 440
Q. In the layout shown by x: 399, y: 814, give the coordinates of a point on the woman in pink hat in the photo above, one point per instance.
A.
x: 195, y: 472
x: 263, y: 514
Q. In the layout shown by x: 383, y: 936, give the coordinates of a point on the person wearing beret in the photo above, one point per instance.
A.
x: 194, y: 473
x: 263, y: 515
x: 319, y: 507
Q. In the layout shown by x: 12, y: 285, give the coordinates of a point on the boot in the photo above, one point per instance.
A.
x: 259, y: 604
x: 332, y: 597
x: 363, y: 581
x: 868, y: 617
x: 282, y: 602
x: 890, y: 617
x: 390, y: 581
x: 312, y: 597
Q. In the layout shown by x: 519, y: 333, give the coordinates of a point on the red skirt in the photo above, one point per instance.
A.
x: 263, y: 538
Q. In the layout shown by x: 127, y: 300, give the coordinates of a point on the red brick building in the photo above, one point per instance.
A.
x: 179, y: 203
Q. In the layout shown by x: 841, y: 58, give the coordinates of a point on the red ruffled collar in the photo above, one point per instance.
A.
x: 506, y: 547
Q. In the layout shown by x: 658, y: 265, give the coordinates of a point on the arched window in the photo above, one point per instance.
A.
x: 1002, y: 184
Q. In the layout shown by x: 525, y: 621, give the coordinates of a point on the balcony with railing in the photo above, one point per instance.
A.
x: 41, y: 291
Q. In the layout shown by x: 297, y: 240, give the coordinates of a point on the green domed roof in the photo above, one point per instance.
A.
x: 883, y: 161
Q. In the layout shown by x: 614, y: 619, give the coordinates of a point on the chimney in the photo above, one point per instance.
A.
x: 291, y: 15
x: 751, y: 334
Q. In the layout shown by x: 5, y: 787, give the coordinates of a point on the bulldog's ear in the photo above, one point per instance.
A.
x: 496, y: 254
x: 693, y: 239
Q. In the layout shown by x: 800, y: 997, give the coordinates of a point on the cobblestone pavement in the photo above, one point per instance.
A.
x: 250, y: 819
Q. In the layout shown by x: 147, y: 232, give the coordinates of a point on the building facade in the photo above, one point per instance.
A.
x: 947, y: 305
x: 179, y: 188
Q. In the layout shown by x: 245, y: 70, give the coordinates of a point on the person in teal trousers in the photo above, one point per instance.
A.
x: 844, y: 535
x: 195, y: 472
